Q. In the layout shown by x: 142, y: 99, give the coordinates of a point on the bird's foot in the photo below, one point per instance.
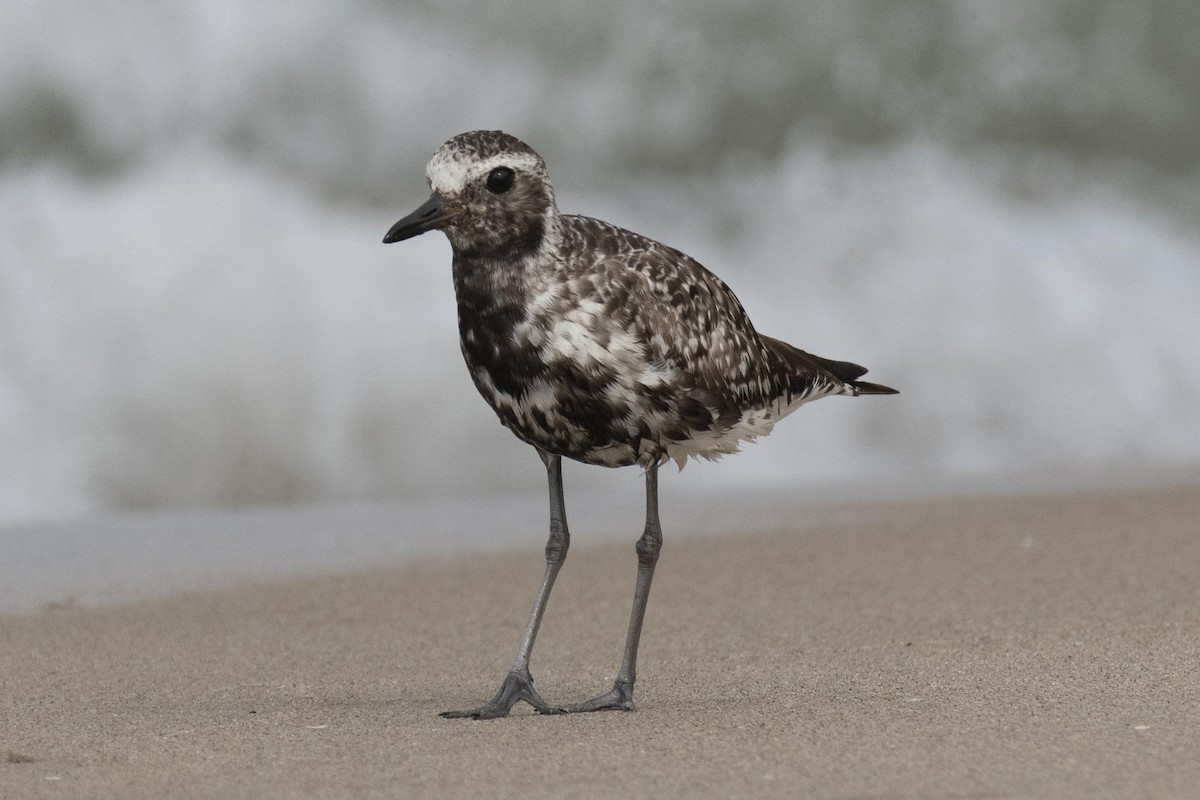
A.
x: 518, y: 685
x: 618, y: 698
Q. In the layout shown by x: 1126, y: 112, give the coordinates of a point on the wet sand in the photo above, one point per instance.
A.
x: 1018, y: 646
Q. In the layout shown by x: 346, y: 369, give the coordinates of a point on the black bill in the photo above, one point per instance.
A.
x: 434, y: 213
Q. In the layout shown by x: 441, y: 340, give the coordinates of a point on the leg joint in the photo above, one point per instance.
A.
x: 648, y: 548
x: 558, y: 543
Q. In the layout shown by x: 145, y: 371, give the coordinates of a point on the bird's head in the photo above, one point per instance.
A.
x: 491, y: 197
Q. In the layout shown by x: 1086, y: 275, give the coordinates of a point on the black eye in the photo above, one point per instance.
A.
x: 500, y: 180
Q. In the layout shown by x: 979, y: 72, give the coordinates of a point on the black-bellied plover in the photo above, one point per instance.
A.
x: 600, y: 345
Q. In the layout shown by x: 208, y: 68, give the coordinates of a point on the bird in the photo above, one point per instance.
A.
x: 600, y: 345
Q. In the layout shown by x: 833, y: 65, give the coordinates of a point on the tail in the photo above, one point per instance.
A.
x: 849, y: 373
x: 866, y: 387
x: 807, y: 366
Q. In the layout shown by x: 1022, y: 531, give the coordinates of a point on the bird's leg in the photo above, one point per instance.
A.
x: 518, y: 683
x: 620, y: 697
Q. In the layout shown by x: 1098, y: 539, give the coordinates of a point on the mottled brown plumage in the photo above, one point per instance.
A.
x: 597, y: 344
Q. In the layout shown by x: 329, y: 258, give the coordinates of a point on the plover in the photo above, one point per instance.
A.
x: 597, y: 344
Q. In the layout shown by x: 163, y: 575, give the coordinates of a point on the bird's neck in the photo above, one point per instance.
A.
x: 496, y: 299
x: 481, y: 282
x: 508, y: 278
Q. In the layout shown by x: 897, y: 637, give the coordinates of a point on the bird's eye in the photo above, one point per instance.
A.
x: 500, y: 180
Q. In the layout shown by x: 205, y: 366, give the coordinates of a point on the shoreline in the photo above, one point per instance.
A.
x: 1022, y: 645
x: 126, y: 557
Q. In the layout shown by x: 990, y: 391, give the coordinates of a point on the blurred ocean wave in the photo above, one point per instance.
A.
x: 994, y: 206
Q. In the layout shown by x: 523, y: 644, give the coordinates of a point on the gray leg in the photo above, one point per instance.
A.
x: 518, y: 683
x: 620, y: 697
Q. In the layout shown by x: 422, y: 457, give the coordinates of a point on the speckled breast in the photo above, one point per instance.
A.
x: 557, y: 375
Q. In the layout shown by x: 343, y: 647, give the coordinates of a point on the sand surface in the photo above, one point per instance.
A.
x: 1022, y: 646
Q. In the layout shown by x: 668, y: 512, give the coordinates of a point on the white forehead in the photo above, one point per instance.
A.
x: 449, y: 171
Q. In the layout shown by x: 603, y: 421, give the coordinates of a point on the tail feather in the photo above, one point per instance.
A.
x: 865, y: 387
x: 806, y: 364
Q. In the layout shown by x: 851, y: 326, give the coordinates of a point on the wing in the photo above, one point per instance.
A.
x: 697, y: 338
x: 695, y: 331
x: 694, y: 325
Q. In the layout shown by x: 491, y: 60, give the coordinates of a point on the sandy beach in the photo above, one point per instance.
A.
x: 1041, y: 646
